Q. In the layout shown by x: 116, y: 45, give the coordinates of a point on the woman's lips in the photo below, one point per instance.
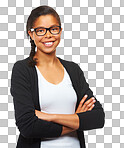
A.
x: 48, y: 44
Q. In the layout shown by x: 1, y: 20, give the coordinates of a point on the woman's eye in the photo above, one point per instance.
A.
x: 40, y: 30
x: 54, y: 29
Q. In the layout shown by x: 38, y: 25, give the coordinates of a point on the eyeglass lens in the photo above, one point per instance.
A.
x: 53, y: 30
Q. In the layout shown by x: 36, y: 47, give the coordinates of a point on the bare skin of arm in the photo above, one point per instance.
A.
x: 70, y: 122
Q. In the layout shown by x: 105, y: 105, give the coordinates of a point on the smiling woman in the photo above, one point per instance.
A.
x: 44, y: 29
x: 44, y: 38
x: 52, y: 100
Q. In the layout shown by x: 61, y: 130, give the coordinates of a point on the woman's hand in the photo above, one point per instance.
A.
x: 43, y: 116
x: 88, y: 105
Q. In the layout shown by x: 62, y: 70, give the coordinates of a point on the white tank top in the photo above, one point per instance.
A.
x: 58, y: 99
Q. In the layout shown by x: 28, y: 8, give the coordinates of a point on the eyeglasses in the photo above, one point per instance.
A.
x: 40, y: 31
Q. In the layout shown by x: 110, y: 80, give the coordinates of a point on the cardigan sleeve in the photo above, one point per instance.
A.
x: 29, y: 125
x: 90, y: 119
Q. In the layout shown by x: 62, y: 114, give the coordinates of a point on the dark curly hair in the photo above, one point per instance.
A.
x: 35, y: 13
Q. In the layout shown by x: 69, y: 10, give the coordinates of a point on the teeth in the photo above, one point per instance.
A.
x: 48, y: 43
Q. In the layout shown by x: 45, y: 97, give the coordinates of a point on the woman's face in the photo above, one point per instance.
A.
x: 46, y: 21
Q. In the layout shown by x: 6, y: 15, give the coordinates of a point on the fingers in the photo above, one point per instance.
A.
x: 88, y: 103
x: 82, y: 101
x: 91, y: 107
x: 79, y: 109
x: 91, y: 104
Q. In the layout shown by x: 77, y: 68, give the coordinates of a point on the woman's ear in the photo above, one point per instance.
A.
x: 30, y: 34
x: 61, y: 31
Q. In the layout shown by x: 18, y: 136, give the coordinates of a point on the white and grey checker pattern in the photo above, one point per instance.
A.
x: 93, y: 37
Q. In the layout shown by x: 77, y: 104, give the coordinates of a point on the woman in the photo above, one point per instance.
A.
x: 52, y: 100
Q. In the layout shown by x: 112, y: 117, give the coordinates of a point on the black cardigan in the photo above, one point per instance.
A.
x: 24, y: 89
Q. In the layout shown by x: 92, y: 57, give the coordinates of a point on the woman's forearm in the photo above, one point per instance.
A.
x: 68, y: 120
x: 66, y: 130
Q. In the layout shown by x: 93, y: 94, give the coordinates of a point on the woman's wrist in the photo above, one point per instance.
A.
x: 66, y: 130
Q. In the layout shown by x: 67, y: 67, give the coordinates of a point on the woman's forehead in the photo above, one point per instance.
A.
x: 46, y: 21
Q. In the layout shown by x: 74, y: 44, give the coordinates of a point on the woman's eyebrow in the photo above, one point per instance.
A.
x: 46, y: 27
x: 54, y: 25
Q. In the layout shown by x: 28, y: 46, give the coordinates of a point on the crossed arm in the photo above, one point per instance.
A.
x: 28, y: 119
x: 70, y: 122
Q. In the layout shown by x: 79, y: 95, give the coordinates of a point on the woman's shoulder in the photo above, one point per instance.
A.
x: 73, y: 68
x: 22, y: 61
x: 68, y: 63
x: 21, y: 65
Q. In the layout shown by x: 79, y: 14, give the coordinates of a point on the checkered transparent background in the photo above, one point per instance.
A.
x: 93, y: 37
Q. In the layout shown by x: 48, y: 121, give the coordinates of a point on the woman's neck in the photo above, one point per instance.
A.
x: 48, y: 60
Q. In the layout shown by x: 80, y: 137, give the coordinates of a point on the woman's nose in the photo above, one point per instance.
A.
x: 48, y: 34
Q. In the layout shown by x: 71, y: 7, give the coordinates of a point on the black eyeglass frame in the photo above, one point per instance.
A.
x: 34, y: 29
